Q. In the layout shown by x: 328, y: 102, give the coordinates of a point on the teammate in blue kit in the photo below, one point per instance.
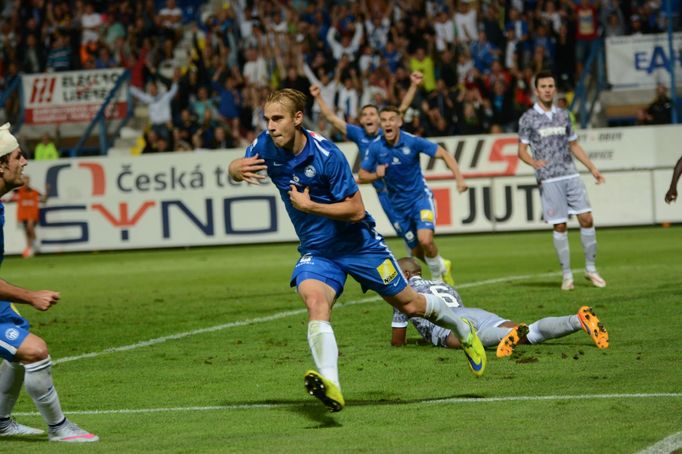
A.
x: 547, y: 131
x: 369, y: 130
x: 25, y: 358
x: 394, y: 158
x: 337, y: 238
x: 493, y: 330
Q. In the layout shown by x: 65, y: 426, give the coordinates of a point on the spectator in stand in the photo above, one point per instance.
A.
x: 502, y: 106
x: 521, y: 33
x: 59, y: 56
x: 439, y: 107
x: 159, y: 104
x: 466, y: 22
x: 483, y: 53
x: 422, y: 62
x: 328, y: 87
x: 377, y: 24
x: 445, y: 31
x: 447, y: 68
x: 659, y: 112
x: 33, y: 55
x: 255, y: 70
x: 347, y: 45
x: 46, y: 149
x: 104, y: 58
x: 565, y: 64
x: 614, y: 25
x: 586, y: 30
x: 470, y: 112
x: 171, y: 19
x: 91, y: 25
x: 231, y: 99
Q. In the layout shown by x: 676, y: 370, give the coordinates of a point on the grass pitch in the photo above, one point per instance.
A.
x: 204, y: 350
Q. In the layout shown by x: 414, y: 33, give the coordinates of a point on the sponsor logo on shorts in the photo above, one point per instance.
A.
x: 387, y: 271
x: 307, y: 259
x: 426, y: 215
x: 11, y: 334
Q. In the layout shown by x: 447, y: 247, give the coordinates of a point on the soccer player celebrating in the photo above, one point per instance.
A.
x: 369, y: 130
x: 26, y: 358
x: 493, y: 330
x: 337, y: 238
x: 394, y: 157
x: 547, y: 130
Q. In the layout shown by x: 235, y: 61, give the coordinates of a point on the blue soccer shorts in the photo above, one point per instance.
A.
x: 13, y: 330
x: 421, y: 215
x: 378, y: 271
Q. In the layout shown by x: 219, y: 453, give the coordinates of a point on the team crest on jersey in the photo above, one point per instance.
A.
x: 11, y: 334
x: 426, y: 215
x: 396, y: 160
x: 406, y: 150
x: 387, y: 271
x: 310, y: 171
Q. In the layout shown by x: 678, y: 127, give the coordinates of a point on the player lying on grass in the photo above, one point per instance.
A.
x: 493, y: 330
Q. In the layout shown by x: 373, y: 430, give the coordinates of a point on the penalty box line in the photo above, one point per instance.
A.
x: 269, y: 318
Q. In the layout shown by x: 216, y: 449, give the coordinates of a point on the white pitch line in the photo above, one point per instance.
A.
x: 269, y: 318
x: 668, y: 445
x: 455, y: 400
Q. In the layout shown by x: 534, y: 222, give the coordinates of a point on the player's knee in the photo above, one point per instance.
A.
x: 586, y: 220
x: 33, y: 351
x: 561, y: 228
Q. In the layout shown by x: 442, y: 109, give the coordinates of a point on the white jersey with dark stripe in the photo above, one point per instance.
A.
x: 548, y: 134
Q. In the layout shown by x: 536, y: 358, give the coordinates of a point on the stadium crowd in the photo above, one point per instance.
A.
x: 477, y: 57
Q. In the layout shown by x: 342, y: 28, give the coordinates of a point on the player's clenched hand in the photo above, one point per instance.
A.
x: 598, y: 176
x: 246, y: 169
x: 462, y: 186
x: 300, y: 200
x: 43, y: 299
x: 671, y: 195
x: 315, y: 91
x: 381, y: 170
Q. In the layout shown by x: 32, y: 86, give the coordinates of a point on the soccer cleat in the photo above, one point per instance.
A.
x: 447, y: 275
x: 474, y: 351
x: 14, y: 429
x: 567, y: 283
x: 511, y: 340
x: 69, y: 432
x: 592, y: 326
x: 325, y: 390
x: 596, y: 279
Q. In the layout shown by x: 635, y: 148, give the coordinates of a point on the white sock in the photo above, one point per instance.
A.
x: 442, y: 315
x: 552, y: 327
x: 436, y: 266
x: 588, y: 237
x: 491, y: 337
x: 39, y: 386
x: 11, y: 379
x: 325, y: 352
x: 563, y: 252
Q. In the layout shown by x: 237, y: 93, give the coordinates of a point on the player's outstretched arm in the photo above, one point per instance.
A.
x: 580, y: 154
x: 416, y: 79
x: 351, y: 209
x: 671, y: 195
x: 246, y: 169
x: 328, y: 113
x: 451, y: 162
x: 42, y: 300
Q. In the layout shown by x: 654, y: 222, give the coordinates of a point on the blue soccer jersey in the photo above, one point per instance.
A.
x: 359, y: 137
x: 404, y: 179
x: 322, y: 168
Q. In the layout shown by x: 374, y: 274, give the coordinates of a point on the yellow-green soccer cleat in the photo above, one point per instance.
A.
x: 447, y: 276
x: 474, y: 351
x: 592, y: 326
x: 325, y: 390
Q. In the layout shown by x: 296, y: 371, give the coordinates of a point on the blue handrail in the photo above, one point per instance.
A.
x: 100, y: 119
x: 581, y: 88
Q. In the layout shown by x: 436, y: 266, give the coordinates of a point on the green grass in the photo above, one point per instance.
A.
x: 239, y: 388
